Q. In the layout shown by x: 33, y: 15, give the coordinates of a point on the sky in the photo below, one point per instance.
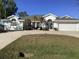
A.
x: 41, y: 7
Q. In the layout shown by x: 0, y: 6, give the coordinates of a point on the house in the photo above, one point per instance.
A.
x: 49, y: 21
x: 12, y: 23
x: 65, y: 23
x: 53, y: 22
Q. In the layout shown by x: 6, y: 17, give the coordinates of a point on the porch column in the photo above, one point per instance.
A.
x: 35, y: 24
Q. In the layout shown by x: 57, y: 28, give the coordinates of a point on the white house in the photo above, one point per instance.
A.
x: 65, y: 23
x: 12, y: 23
x: 50, y: 16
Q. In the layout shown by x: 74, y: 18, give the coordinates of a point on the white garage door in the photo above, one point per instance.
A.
x: 67, y: 27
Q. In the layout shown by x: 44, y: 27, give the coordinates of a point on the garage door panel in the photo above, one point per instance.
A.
x: 67, y: 27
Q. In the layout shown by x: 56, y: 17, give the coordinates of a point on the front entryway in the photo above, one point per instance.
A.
x: 50, y: 24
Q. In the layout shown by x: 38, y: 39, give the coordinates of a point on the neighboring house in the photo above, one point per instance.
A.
x: 15, y: 23
x: 65, y: 23
x: 12, y: 23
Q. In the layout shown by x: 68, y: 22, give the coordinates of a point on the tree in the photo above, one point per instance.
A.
x: 35, y: 18
x: 22, y: 14
x: 7, y: 8
x: 1, y: 9
x: 11, y: 7
x: 27, y: 24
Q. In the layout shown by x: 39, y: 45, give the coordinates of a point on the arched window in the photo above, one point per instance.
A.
x: 13, y: 22
x: 13, y: 19
x: 49, y: 20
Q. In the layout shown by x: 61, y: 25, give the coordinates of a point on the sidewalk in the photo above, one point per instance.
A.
x: 7, y: 38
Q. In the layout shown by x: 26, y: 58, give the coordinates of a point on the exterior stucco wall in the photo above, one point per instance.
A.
x: 50, y: 17
x: 77, y: 26
x: 55, y: 25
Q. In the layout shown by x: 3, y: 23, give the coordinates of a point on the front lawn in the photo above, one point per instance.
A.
x: 42, y: 46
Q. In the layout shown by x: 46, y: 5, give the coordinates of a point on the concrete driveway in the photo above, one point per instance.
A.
x: 9, y: 37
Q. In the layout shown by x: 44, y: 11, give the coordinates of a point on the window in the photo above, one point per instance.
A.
x: 13, y: 19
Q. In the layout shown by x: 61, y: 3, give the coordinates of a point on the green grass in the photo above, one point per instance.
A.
x: 43, y: 46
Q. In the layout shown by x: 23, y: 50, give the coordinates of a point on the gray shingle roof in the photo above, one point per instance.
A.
x: 65, y: 18
x: 67, y: 21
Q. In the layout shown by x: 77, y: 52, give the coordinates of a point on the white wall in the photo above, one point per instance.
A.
x: 77, y: 27
x: 7, y: 25
x: 68, y: 27
x: 50, y: 17
x: 55, y: 25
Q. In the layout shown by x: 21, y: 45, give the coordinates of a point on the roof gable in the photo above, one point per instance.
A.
x: 49, y: 14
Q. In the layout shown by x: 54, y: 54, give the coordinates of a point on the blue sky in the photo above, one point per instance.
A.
x: 57, y: 7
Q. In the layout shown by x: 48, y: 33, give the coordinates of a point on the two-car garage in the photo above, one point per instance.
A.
x: 68, y: 25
